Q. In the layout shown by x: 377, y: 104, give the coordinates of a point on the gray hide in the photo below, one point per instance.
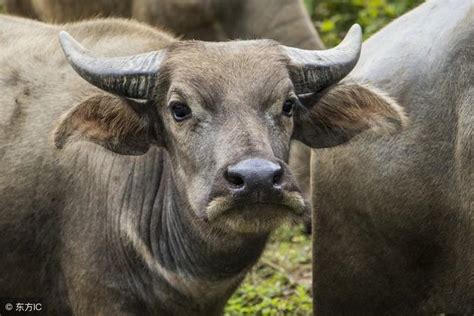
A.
x: 394, y: 217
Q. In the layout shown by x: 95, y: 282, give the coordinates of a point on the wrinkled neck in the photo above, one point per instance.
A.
x: 185, y: 244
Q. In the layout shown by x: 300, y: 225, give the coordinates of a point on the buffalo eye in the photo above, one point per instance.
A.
x: 180, y: 111
x: 288, y: 107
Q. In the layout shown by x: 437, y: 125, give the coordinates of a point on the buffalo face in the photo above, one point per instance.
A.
x: 228, y: 120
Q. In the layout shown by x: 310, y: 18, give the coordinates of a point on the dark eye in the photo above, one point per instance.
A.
x: 180, y: 111
x: 288, y: 107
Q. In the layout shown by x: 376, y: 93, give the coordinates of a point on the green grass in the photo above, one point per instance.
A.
x: 280, y: 283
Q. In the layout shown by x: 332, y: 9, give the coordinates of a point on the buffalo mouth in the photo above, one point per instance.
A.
x: 289, y: 204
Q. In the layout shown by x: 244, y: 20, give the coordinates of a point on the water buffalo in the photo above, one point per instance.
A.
x: 151, y: 186
x: 394, y: 217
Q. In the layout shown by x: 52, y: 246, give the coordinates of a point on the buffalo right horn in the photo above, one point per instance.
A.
x: 131, y: 77
x: 313, y: 70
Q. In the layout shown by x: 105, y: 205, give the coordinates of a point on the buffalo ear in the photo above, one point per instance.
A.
x: 117, y: 124
x: 344, y: 111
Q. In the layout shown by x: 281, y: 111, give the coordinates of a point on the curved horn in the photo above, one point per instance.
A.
x: 131, y: 77
x: 312, y: 71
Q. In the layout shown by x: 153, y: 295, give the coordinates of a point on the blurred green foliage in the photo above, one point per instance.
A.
x: 280, y: 282
x: 332, y: 18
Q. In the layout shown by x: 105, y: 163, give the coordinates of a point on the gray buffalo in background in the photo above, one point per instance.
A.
x: 394, y: 217
x: 285, y: 21
x: 151, y: 186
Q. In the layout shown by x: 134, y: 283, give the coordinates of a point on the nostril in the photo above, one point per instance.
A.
x: 234, y: 179
x: 277, y: 177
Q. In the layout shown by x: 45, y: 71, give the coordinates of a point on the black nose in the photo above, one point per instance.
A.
x: 254, y: 173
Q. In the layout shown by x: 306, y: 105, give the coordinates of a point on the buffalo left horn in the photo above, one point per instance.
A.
x: 312, y: 71
x: 131, y: 77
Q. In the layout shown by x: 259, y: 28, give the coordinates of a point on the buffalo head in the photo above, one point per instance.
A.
x: 225, y: 113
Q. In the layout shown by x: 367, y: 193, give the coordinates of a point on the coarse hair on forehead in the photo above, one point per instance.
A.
x: 235, y: 54
x: 240, y: 65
